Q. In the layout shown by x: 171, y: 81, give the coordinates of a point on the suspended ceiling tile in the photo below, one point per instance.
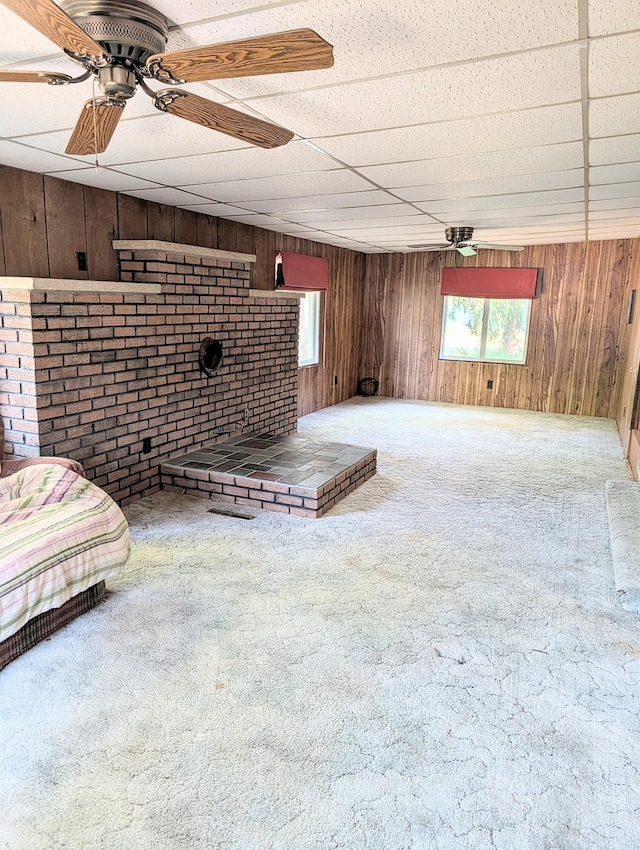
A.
x: 516, y: 162
x: 340, y: 180
x: 493, y: 186
x: 549, y: 125
x: 380, y: 232
x: 624, y: 173
x: 189, y: 11
x: 624, y: 214
x: 250, y: 162
x: 614, y: 116
x: 287, y: 228
x: 372, y: 197
x: 160, y: 137
x: 615, y: 190
x: 33, y: 108
x: 608, y: 16
x: 21, y: 42
x: 614, y: 204
x: 354, y: 213
x: 529, y: 225
x: 255, y: 219
x: 21, y: 156
x: 614, y: 65
x: 165, y: 195
x: 496, y: 85
x: 498, y: 202
x: 375, y: 37
x: 508, y: 218
x: 617, y: 149
x: 371, y: 223
x: 220, y: 210
x: 102, y: 178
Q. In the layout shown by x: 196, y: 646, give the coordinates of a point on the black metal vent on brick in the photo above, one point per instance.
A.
x: 210, y: 355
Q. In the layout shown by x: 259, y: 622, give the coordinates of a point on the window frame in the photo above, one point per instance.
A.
x: 319, y: 327
x: 483, y: 334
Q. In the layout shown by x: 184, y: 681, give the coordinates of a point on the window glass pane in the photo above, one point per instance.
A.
x: 309, y: 338
x: 507, y: 329
x: 462, y: 327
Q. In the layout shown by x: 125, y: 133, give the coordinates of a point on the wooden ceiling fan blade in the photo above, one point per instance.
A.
x: 215, y: 116
x: 49, y: 19
x: 279, y: 53
x: 51, y: 77
x: 95, y: 127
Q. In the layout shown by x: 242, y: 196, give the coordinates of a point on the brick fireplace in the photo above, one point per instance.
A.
x: 108, y: 372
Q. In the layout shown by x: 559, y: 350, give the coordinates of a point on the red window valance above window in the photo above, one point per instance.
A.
x: 301, y: 273
x: 490, y: 283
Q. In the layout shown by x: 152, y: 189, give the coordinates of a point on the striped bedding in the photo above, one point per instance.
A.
x: 59, y: 535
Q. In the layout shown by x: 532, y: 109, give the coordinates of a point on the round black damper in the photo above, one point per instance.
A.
x: 210, y: 355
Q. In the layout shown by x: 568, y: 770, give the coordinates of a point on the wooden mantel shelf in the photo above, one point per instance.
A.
x: 275, y: 293
x: 51, y: 284
x: 179, y: 248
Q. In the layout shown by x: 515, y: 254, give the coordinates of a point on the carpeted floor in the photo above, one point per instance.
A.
x: 438, y: 664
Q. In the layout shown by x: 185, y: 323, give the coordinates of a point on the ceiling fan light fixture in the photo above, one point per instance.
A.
x: 466, y: 251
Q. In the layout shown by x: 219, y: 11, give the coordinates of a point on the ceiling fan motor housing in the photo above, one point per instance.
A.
x: 126, y: 30
x: 459, y: 234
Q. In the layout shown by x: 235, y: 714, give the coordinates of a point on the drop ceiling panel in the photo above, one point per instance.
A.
x: 353, y: 213
x: 626, y: 215
x: 341, y: 180
x: 514, y: 82
x: 218, y: 210
x: 438, y: 33
x: 20, y: 156
x: 373, y: 197
x: 617, y: 149
x: 615, y: 190
x: 614, y: 204
x: 20, y: 42
x: 528, y: 214
x: 624, y: 173
x: 496, y: 202
x: 156, y: 137
x: 245, y: 164
x: 167, y: 195
x: 516, y: 162
x: 188, y: 11
x: 102, y: 178
x: 545, y: 126
x: 372, y: 223
x: 614, y: 116
x: 607, y: 16
x: 493, y: 186
x: 614, y: 65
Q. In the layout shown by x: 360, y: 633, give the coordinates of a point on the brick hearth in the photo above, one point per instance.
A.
x: 92, y: 369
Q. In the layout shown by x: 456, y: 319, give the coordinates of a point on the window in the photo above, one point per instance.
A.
x: 493, y: 330
x: 309, y: 334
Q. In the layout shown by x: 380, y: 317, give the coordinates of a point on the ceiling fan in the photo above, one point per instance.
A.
x: 461, y: 239
x: 121, y: 45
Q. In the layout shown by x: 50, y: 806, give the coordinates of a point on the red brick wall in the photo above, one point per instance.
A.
x: 112, y: 369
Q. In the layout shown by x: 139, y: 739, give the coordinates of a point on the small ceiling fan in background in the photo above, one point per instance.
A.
x: 121, y: 44
x: 461, y: 239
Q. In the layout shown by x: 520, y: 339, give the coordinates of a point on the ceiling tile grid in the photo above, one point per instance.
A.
x: 433, y: 114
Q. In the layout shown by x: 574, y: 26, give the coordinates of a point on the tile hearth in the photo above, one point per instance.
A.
x: 290, y: 474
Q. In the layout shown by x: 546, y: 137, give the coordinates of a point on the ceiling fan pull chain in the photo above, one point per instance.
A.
x: 95, y: 128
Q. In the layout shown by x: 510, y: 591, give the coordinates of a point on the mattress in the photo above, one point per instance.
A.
x: 59, y: 535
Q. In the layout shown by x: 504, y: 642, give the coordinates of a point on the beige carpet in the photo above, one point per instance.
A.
x: 438, y: 664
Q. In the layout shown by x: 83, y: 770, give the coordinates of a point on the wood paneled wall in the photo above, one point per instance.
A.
x: 630, y: 366
x: 44, y: 222
x: 577, y: 338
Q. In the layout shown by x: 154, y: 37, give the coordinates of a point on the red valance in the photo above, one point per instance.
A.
x: 300, y: 272
x: 489, y: 283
